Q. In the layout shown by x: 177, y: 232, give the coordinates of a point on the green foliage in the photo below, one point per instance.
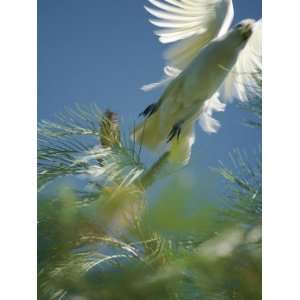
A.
x: 244, y: 188
x: 71, y: 147
x: 105, y: 241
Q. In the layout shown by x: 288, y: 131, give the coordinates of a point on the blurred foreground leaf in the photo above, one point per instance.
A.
x: 103, y: 240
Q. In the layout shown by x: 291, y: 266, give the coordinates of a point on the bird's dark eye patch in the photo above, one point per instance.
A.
x: 239, y: 26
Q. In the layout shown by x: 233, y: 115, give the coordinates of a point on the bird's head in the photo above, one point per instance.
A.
x: 245, y: 28
x: 241, y: 33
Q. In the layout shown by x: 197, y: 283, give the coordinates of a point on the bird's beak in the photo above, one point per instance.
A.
x: 247, y: 31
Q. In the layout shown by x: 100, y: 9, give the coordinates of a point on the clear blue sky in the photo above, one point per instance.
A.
x: 102, y: 51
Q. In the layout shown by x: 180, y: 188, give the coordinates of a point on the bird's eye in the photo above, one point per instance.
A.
x: 239, y: 26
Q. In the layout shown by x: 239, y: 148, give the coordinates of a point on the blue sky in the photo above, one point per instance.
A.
x: 102, y: 51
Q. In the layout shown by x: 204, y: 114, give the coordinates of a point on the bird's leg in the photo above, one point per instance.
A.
x: 175, y: 131
x: 191, y: 113
x: 151, y: 109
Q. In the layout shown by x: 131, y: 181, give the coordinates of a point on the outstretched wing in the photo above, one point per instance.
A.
x: 170, y: 74
x: 244, y: 80
x: 191, y: 24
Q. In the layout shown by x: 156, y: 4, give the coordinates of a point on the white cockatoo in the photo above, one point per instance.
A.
x: 209, y: 65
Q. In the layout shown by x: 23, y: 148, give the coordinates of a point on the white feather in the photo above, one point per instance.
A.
x: 170, y: 74
x: 206, y: 121
x: 192, y: 24
x: 244, y: 80
x: 207, y: 62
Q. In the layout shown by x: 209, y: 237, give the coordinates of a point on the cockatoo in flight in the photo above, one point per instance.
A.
x: 209, y: 64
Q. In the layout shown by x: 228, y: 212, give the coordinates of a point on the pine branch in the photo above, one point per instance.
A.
x: 71, y: 146
x: 150, y: 176
x: 99, y: 239
x: 244, y: 198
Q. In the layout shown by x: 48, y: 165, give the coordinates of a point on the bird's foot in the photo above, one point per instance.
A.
x: 175, y: 131
x: 151, y: 109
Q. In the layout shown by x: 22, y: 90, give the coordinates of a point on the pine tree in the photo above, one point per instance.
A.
x: 99, y: 237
